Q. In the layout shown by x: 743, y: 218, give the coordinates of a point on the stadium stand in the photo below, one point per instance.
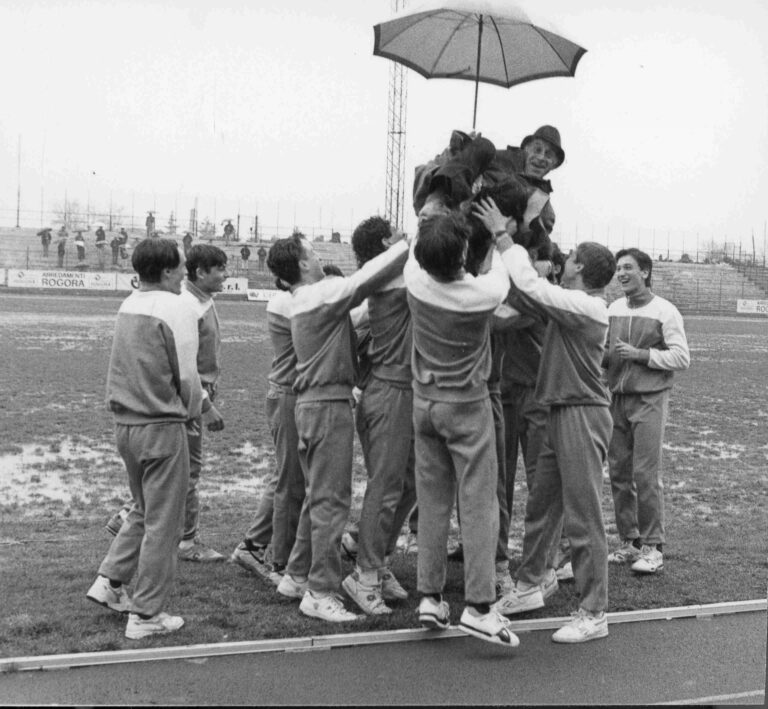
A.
x: 692, y: 287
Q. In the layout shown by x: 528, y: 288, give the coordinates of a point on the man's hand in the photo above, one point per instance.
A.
x: 628, y: 353
x: 213, y: 420
x: 488, y: 213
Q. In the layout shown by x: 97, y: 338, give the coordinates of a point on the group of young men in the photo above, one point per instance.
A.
x: 446, y: 355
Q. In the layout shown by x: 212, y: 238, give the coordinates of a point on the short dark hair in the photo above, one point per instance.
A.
x: 331, y: 269
x: 440, y: 245
x: 644, y: 261
x: 367, y: 238
x: 599, y: 264
x: 283, y: 258
x: 205, y: 256
x: 152, y: 256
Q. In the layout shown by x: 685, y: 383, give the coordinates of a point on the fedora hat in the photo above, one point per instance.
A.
x: 552, y: 136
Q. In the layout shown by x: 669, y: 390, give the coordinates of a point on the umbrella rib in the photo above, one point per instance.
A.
x: 461, y: 24
x: 559, y: 56
x: 501, y: 46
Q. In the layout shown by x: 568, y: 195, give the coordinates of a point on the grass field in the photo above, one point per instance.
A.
x: 60, y: 479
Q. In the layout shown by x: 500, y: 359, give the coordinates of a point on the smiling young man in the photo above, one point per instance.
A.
x: 206, y: 272
x: 646, y: 344
x: 154, y: 392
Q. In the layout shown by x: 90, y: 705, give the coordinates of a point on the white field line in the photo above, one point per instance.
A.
x: 718, y: 699
x: 326, y: 642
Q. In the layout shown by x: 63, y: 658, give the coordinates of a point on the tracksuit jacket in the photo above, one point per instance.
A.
x: 143, y: 387
x: 656, y: 326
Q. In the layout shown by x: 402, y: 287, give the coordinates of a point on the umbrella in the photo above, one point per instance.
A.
x: 493, y: 42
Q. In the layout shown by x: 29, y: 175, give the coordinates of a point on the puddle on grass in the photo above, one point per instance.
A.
x: 36, y: 477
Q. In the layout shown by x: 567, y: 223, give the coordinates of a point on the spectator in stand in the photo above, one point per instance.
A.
x: 101, y: 247
x: 229, y: 231
x: 123, y: 235
x: 150, y: 223
x: 61, y: 246
x: 45, y: 240
x: 80, y: 244
x: 646, y: 344
x: 187, y: 242
x: 245, y: 254
x: 262, y: 254
x: 115, y: 246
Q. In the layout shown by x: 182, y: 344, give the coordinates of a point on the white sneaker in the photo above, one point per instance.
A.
x: 583, y: 627
x: 518, y: 600
x: 116, y: 599
x: 325, y: 607
x: 291, y: 588
x: 159, y: 624
x: 368, y: 598
x: 490, y: 627
x: 434, y: 615
x: 391, y: 590
x: 565, y: 572
x: 627, y: 552
x: 651, y: 560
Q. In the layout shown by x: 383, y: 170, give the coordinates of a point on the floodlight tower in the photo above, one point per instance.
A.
x: 394, y: 199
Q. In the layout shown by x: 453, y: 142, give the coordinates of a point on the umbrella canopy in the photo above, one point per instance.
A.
x: 493, y: 42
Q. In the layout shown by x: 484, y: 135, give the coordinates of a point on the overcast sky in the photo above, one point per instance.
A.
x: 281, y: 108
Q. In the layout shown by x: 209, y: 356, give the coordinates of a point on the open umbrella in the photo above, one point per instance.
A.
x: 493, y: 42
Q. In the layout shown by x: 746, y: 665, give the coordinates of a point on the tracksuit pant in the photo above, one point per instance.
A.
x: 156, y: 457
x: 455, y: 450
x: 525, y: 431
x: 568, y: 481
x: 634, y: 458
x: 326, y: 435
x: 385, y: 427
x: 192, y: 504
x: 277, y: 516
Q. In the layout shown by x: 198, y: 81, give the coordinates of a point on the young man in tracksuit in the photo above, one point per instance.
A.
x: 155, y: 394
x: 322, y: 333
x: 568, y: 478
x: 277, y: 517
x: 453, y: 423
x: 646, y: 344
x: 384, y: 420
x: 206, y: 272
x: 206, y: 267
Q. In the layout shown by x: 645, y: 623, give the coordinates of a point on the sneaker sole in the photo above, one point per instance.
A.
x: 574, y: 641
x: 293, y: 595
x: 520, y: 609
x: 495, y: 639
x: 320, y: 616
x: 648, y: 572
x: 392, y: 596
x: 365, y: 610
x: 432, y: 622
x: 106, y: 605
x: 147, y: 633
x: 253, y: 568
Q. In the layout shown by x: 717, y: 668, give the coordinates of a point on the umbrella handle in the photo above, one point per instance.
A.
x: 477, y: 68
